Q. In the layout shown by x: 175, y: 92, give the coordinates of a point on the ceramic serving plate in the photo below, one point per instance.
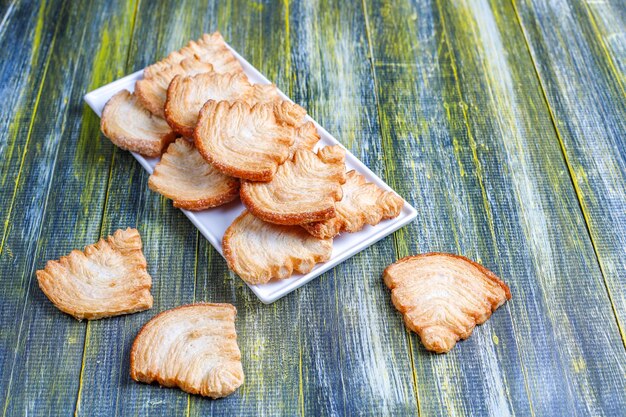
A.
x: 213, y: 223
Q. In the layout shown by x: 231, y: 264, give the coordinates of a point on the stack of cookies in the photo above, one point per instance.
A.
x: 220, y: 137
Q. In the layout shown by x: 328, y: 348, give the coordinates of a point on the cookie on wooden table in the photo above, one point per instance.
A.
x: 130, y: 126
x: 192, y: 347
x: 106, y: 279
x: 183, y: 176
x: 443, y: 296
x: 304, y: 189
x: 243, y: 141
x: 362, y: 203
x: 258, y: 251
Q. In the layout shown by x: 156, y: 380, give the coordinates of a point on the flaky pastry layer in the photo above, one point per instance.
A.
x: 443, y: 296
x: 258, y: 251
x: 243, y: 141
x: 362, y: 203
x: 183, y: 176
x: 130, y: 126
x: 106, y: 279
x: 304, y: 189
x: 152, y: 90
x: 192, y: 347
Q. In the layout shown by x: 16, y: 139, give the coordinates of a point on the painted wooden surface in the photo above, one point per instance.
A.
x: 502, y: 122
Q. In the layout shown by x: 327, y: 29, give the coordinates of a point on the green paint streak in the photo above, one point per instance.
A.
x: 570, y: 167
x: 100, y: 70
x: 20, y: 112
x: 401, y: 247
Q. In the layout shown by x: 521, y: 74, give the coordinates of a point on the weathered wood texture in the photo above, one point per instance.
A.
x: 478, y: 112
x: 579, y: 50
x: 463, y: 116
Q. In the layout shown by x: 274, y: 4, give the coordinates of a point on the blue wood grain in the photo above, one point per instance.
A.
x: 443, y: 100
x: 463, y: 116
x: 49, y: 345
x: 590, y: 116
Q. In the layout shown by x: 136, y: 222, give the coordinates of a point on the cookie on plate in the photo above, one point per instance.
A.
x: 106, y: 279
x: 443, y: 296
x: 304, y: 189
x: 243, y: 141
x: 306, y: 138
x: 362, y: 203
x: 192, y: 347
x: 187, y: 95
x: 183, y: 176
x: 209, y: 48
x: 152, y: 90
x: 130, y: 126
x: 258, y: 251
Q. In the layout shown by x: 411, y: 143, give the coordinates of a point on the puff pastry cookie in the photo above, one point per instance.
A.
x: 209, y: 48
x: 443, y: 296
x: 362, y: 203
x: 192, y: 347
x: 243, y: 141
x: 152, y: 89
x: 306, y: 138
x: 128, y: 125
x: 187, y: 95
x: 304, y: 189
x: 185, y: 177
x: 259, y: 251
x: 107, y: 279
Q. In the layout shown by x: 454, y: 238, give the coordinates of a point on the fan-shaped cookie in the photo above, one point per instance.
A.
x: 264, y: 93
x: 185, y: 177
x: 289, y: 113
x: 209, y: 48
x: 107, y: 279
x: 306, y: 138
x: 243, y: 141
x: 187, y: 95
x: 152, y: 90
x: 192, y: 347
x: 304, y: 189
x: 259, y: 251
x: 128, y: 125
x: 443, y: 296
x: 362, y: 203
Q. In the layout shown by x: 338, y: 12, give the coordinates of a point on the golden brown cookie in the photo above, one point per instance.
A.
x: 443, y: 296
x: 187, y: 95
x: 306, y: 138
x: 304, y: 189
x: 362, y: 203
x: 258, y: 251
x: 152, y: 90
x: 192, y: 347
x: 209, y: 48
x: 107, y: 279
x: 185, y: 177
x: 243, y: 141
x: 128, y: 125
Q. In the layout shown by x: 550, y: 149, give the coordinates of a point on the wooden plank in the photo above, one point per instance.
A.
x: 353, y: 360
x: 570, y: 47
x: 608, y: 20
x: 464, y: 123
x: 65, y: 154
x: 22, y: 69
x: 268, y: 334
x: 169, y: 244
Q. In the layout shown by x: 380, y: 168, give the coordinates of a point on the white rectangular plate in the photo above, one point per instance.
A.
x: 213, y: 223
